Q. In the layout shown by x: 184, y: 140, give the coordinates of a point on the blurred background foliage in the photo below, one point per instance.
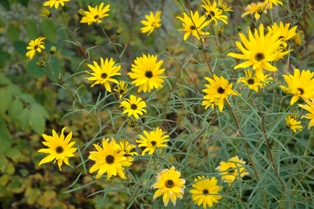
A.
x: 32, y: 102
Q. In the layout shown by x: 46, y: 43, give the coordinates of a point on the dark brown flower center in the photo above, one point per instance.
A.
x: 169, y: 183
x: 59, y: 149
x: 104, y: 75
x: 221, y: 90
x: 121, y: 91
x: 205, y: 192
x: 250, y: 81
x: 36, y: 47
x: 149, y: 74
x: 192, y: 27
x: 301, y: 90
x: 231, y: 170
x: 212, y: 14
x: 96, y: 17
x: 133, y: 106
x: 153, y: 143
x: 259, y: 56
x: 110, y: 159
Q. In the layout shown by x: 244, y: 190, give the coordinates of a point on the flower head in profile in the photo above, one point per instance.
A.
x: 121, y: 88
x: 258, y: 51
x: 169, y: 185
x: 151, y: 23
x: 232, y: 169
x: 127, y: 149
x: 35, y: 46
x: 45, y: 12
x: 94, y: 15
x: 271, y: 2
x: 205, y: 191
x: 285, y: 33
x: 133, y: 107
x: 147, y: 73
x: 224, y: 6
x: 300, y: 85
x: 55, y: 3
x: 214, y: 12
x: 309, y: 106
x: 104, y: 73
x: 152, y: 140
x: 293, y: 124
x: 193, y: 24
x: 253, y: 82
x: 108, y: 159
x: 59, y: 148
x: 255, y: 8
x: 217, y: 91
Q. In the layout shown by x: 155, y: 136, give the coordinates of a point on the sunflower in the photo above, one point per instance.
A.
x: 259, y: 51
x: 193, y: 24
x: 271, y: 2
x: 55, y: 3
x: 133, y: 107
x: 170, y: 185
x: 205, y: 191
x: 285, y: 33
x: 94, y: 15
x: 151, y: 23
x: 256, y: 9
x: 59, y: 148
x: 108, y: 159
x: 146, y: 73
x: 232, y: 169
x: 253, y: 82
x: 309, y: 106
x: 126, y: 148
x: 35, y: 46
x: 217, y: 91
x: 301, y: 84
x: 213, y: 12
x: 121, y: 88
x: 152, y: 140
x: 293, y: 124
x: 103, y: 74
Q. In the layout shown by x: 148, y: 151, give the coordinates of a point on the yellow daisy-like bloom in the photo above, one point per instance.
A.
x: 224, y: 6
x: 104, y: 73
x: 258, y: 51
x: 309, y: 106
x: 293, y: 124
x: 133, y: 107
x: 297, y: 39
x: 45, y: 12
x: 151, y: 23
x: 35, y: 46
x: 253, y: 82
x: 108, y: 159
x: 193, y: 24
x: 214, y: 13
x: 59, y: 148
x: 94, y: 15
x: 301, y: 84
x: 152, y: 140
x: 170, y: 185
x: 271, y: 2
x: 232, y: 169
x: 121, y: 88
x: 217, y: 91
x: 285, y: 33
x: 126, y: 148
x: 256, y: 9
x: 205, y: 191
x: 55, y: 3
x: 146, y: 73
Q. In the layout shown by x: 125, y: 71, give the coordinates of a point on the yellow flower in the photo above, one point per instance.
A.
x: 223, y: 6
x: 217, y: 91
x: 146, y: 73
x: 108, y: 159
x: 104, y: 73
x: 121, y: 88
x: 94, y: 15
x: 193, y: 24
x: 271, y: 2
x: 232, y: 169
x: 213, y: 12
x: 45, y: 12
x: 151, y: 23
x: 301, y: 84
x: 298, y: 38
x: 259, y: 50
x: 257, y: 9
x: 126, y: 148
x: 133, y: 107
x: 59, y: 148
x: 293, y: 124
x: 55, y: 3
x: 170, y: 185
x: 309, y: 106
x: 253, y: 82
x: 152, y: 140
x: 285, y: 33
x: 35, y: 46
x: 205, y: 191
